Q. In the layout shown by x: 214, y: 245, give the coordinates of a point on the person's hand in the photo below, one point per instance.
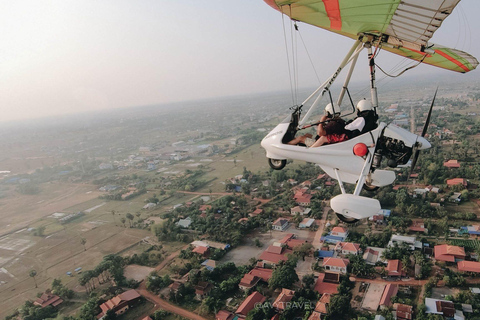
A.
x: 308, y: 135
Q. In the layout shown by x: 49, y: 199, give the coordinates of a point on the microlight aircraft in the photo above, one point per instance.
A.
x: 403, y: 27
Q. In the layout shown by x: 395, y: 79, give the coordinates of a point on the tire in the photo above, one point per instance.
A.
x: 369, y: 187
x: 345, y: 219
x: 277, y: 164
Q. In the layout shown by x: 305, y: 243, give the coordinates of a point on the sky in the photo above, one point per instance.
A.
x: 67, y: 56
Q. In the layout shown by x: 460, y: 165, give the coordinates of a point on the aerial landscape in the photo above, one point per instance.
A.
x: 176, y: 206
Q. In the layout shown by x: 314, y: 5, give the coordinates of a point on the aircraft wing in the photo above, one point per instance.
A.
x: 403, y: 27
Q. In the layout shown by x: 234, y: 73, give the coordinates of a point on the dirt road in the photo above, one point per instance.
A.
x: 321, y: 226
x: 162, y: 304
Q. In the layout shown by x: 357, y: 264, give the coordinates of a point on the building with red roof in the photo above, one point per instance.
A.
x: 452, y: 164
x: 262, y: 273
x: 395, y: 269
x: 147, y: 318
x: 283, y: 299
x: 455, y: 181
x: 304, y: 200
x: 339, y: 232
x: 121, y: 303
x: 275, y: 254
x: 418, y: 226
x: 336, y: 264
x: 202, y: 289
x: 224, y: 315
x: 327, y: 283
x: 201, y: 250
x: 48, y: 299
x: 348, y: 248
x: 256, y: 212
x: 204, y: 207
x: 390, y: 291
x: 248, y: 281
x: 468, y: 266
x: 403, y: 311
x: 449, y: 253
x: 249, y: 303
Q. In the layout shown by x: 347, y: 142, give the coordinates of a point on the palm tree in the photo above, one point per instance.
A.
x: 83, y: 241
x: 33, y: 274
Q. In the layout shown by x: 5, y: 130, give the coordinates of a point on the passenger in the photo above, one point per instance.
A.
x: 307, y: 139
x: 329, y: 132
x: 366, y: 120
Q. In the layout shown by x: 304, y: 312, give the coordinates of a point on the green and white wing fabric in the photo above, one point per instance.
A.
x: 403, y: 27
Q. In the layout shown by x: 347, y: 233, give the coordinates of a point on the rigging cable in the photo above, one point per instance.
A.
x: 288, y: 57
x: 406, y: 69
x: 308, y: 54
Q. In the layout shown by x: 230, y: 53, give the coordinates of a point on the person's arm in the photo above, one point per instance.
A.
x: 320, y: 130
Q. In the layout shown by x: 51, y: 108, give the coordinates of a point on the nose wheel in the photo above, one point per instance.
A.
x: 277, y: 164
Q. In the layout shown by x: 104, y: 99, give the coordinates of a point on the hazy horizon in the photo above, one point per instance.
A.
x: 61, y: 58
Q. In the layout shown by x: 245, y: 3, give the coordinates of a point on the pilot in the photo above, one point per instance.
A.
x: 307, y: 139
x: 366, y: 120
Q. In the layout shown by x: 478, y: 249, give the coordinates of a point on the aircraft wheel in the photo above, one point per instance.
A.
x: 346, y: 219
x: 277, y: 164
x: 369, y: 187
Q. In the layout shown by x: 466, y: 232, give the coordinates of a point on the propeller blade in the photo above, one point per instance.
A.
x: 414, y: 161
x: 424, y: 131
x: 425, y: 127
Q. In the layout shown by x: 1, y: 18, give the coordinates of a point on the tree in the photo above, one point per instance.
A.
x: 130, y: 217
x: 308, y: 280
x: 33, y: 274
x: 123, y: 220
x: 83, y: 241
x: 113, y: 215
x: 284, y: 276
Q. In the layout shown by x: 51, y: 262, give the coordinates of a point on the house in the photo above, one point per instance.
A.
x: 248, y: 281
x: 399, y: 240
x: 452, y: 164
x: 336, y: 264
x: 224, y: 315
x: 209, y: 264
x: 442, y: 307
x: 249, y: 303
x: 283, y: 299
x: 378, y: 219
x: 348, y: 248
x: 456, y: 181
x: 174, y: 286
x: 204, y: 208
x: 201, y: 250
x: 339, y: 232
x: 121, y: 303
x: 468, y: 266
x: 275, y: 254
x: 372, y: 255
x: 300, y: 210
x: 456, y: 197
x: 321, y: 308
x: 449, y: 253
x: 149, y: 206
x: 147, y: 318
x: 48, y: 299
x: 418, y: 226
x: 256, y: 212
x: 184, y: 223
x: 202, y: 289
x: 280, y: 224
x: 306, y: 223
x: 394, y: 269
x: 322, y: 254
x: 327, y: 283
x: 390, y: 291
x: 304, y: 200
x: 403, y: 311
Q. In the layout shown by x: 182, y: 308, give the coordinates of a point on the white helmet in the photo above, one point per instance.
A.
x: 329, y: 109
x: 364, y: 105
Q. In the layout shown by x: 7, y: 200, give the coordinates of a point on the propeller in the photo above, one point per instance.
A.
x: 424, y: 131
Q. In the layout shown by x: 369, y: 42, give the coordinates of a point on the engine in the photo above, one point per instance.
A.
x: 394, y: 150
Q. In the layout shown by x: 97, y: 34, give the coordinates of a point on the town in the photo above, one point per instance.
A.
x: 132, y: 217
